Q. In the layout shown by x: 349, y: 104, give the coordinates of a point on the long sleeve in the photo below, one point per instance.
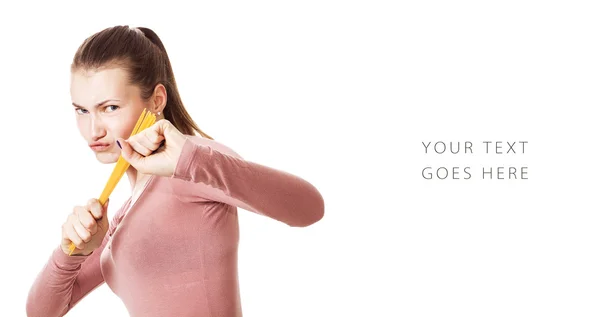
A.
x: 65, y: 280
x: 224, y: 176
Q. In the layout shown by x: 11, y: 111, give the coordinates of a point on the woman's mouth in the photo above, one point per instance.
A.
x: 99, y: 147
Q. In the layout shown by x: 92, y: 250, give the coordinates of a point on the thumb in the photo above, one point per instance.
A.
x: 104, y: 220
x: 105, y: 206
x: 129, y: 154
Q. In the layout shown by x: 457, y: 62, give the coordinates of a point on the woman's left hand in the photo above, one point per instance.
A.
x: 138, y: 149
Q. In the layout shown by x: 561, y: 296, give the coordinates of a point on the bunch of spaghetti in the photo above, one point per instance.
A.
x: 145, y: 120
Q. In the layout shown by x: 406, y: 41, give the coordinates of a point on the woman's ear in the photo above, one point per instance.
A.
x: 159, y: 98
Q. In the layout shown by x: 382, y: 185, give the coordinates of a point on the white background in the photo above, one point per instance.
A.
x: 342, y: 93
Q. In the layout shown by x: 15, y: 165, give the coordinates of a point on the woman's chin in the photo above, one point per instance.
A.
x: 107, y: 157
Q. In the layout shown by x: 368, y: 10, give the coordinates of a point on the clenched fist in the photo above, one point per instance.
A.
x: 86, y: 227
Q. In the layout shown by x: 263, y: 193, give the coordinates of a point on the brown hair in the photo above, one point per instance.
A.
x: 142, y: 54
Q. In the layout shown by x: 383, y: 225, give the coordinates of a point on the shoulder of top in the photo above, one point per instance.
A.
x: 215, y: 145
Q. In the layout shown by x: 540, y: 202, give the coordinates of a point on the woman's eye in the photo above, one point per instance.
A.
x: 79, y: 110
x: 113, y: 109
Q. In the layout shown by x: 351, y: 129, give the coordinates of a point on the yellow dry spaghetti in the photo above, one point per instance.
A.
x: 145, y: 120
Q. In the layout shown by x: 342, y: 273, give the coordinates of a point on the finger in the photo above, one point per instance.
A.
x: 171, y: 135
x: 151, y: 137
x: 161, y: 147
x: 165, y: 126
x: 64, y: 235
x: 158, y: 127
x: 162, y: 128
x: 83, y: 233
x: 95, y: 208
x: 127, y: 152
x: 138, y: 146
x: 87, y: 221
x: 149, y: 140
x: 73, y: 236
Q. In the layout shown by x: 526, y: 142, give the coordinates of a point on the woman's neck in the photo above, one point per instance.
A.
x: 136, y: 179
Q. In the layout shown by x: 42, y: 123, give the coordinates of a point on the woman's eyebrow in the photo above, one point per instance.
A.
x: 99, y: 104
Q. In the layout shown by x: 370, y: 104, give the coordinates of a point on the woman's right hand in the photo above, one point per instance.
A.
x: 86, y: 227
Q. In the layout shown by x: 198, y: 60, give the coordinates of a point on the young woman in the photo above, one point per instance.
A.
x: 171, y: 249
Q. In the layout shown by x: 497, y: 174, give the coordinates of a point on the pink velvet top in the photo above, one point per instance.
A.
x: 173, y: 252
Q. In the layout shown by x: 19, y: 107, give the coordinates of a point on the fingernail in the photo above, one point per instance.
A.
x: 119, y: 144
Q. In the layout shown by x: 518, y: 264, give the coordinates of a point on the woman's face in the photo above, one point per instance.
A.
x: 106, y: 108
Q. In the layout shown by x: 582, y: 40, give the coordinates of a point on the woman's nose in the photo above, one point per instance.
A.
x: 98, y: 130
